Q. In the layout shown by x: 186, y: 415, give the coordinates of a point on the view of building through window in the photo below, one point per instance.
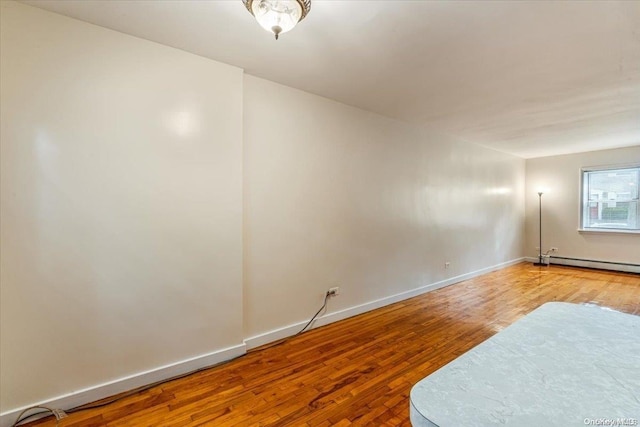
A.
x: 610, y: 199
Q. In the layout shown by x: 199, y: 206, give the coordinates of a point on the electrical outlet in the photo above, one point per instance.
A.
x: 334, y: 291
x: 447, y: 264
x: 59, y: 414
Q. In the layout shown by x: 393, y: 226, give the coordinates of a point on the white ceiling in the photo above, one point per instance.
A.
x: 532, y: 78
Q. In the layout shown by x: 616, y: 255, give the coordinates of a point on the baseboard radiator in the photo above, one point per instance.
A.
x: 602, y: 265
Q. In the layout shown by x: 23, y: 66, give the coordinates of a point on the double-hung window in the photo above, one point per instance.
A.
x: 610, y: 198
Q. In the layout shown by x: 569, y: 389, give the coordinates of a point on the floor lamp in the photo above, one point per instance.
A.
x: 540, y: 260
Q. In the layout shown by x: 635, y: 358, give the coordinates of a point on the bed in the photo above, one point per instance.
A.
x: 561, y: 365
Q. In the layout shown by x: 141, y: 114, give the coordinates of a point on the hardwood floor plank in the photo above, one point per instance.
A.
x: 359, y: 371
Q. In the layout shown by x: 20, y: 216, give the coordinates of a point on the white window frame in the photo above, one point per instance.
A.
x: 584, y: 199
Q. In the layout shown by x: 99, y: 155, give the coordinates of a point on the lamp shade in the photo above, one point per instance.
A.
x: 278, y: 16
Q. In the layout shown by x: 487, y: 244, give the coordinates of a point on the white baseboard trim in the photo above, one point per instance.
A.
x: 601, y: 265
x: 130, y: 382
x: 277, y: 334
x: 101, y: 391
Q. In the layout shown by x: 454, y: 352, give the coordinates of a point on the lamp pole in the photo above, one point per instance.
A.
x: 539, y: 230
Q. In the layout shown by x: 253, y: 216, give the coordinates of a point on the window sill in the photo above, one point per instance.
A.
x: 607, y: 231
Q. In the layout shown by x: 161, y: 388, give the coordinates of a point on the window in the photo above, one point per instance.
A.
x: 610, y: 198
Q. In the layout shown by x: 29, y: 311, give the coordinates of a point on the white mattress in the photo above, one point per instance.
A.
x: 561, y: 365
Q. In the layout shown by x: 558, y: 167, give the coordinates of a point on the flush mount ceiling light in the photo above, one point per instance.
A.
x: 278, y: 16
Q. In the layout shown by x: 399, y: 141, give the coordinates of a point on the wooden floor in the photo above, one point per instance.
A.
x: 359, y: 371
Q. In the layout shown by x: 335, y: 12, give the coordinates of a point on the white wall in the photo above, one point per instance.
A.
x: 336, y: 196
x: 560, y: 177
x: 121, y: 206
x: 125, y: 215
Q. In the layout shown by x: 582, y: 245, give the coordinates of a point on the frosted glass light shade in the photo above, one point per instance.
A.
x: 278, y: 16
